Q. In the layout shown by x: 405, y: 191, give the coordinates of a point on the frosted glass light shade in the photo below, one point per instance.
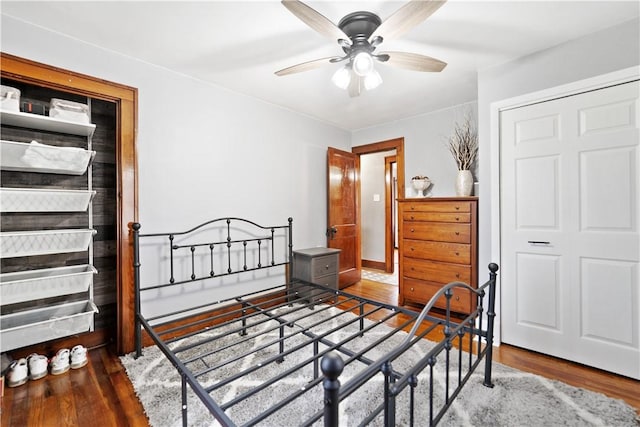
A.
x: 342, y: 77
x: 363, y: 64
x: 372, y: 80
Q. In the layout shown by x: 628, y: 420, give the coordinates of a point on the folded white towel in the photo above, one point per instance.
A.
x: 43, y: 156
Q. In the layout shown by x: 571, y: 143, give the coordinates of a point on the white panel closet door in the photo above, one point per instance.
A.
x: 570, y: 212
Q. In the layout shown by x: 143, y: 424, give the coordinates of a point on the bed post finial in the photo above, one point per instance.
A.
x: 332, y: 366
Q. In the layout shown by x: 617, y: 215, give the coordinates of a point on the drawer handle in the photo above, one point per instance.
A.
x: 457, y: 253
x: 326, y: 266
x: 457, y: 208
x: 411, y: 289
x: 457, y: 275
x: 457, y: 233
x: 411, y: 249
x: 412, y: 230
x: 457, y: 218
x: 457, y: 298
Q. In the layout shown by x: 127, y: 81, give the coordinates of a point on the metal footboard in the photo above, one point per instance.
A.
x: 480, y: 344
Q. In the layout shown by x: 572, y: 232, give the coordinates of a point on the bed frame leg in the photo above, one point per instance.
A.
x: 281, y: 345
x: 332, y: 366
x: 493, y: 268
x: 184, y: 401
x: 243, y: 332
x: 389, y: 398
x: 136, y: 284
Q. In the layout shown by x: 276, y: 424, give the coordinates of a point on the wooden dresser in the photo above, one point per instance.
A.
x: 438, y: 244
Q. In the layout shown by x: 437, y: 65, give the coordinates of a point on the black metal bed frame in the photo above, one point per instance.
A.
x: 285, y: 309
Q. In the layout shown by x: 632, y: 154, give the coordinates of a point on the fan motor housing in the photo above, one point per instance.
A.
x: 359, y: 25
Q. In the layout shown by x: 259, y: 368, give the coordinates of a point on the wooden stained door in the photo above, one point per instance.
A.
x: 343, y: 212
x: 570, y: 214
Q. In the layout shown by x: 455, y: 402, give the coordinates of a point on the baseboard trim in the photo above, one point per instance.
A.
x: 377, y: 265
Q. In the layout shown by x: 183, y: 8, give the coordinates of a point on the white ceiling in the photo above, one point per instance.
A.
x: 239, y: 45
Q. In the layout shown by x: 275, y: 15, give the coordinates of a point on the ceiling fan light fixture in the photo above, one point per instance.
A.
x: 372, y: 80
x: 363, y: 64
x: 342, y: 77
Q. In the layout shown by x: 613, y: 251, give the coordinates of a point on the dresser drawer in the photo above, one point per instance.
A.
x: 457, y: 253
x: 436, y: 271
x: 452, y: 206
x: 324, y: 265
x: 420, y: 291
x: 437, y: 217
x: 456, y: 233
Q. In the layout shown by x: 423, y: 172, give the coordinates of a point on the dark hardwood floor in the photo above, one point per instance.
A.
x: 101, y: 394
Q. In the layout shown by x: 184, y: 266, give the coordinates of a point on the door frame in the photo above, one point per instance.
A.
x: 593, y: 83
x: 125, y: 99
x: 390, y: 213
x: 396, y: 144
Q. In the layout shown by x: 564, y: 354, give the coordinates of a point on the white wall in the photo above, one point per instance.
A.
x: 425, y: 145
x: 204, y: 151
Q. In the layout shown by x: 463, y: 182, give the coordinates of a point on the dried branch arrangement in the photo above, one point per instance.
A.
x: 463, y: 144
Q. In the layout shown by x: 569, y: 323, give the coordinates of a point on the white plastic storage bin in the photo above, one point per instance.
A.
x: 37, y: 157
x: 43, y: 242
x: 45, y: 283
x: 43, y: 324
x: 9, y: 98
x: 69, y: 110
x: 43, y: 200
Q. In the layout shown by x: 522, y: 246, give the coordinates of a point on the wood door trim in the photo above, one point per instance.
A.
x: 389, y: 229
x: 126, y: 101
x: 377, y: 147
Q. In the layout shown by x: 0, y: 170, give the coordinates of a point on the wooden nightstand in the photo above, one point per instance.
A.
x: 317, y: 265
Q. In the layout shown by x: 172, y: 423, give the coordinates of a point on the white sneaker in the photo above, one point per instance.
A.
x: 60, y: 362
x: 37, y: 366
x: 78, y: 357
x: 17, y: 374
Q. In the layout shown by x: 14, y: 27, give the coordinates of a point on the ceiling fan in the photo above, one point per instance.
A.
x: 359, y: 34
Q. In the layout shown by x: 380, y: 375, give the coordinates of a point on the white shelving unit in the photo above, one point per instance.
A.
x: 32, y: 326
x: 38, y: 122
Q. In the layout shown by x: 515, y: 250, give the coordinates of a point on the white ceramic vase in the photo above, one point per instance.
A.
x: 464, y: 183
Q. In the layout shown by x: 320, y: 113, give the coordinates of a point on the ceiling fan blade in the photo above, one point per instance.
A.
x: 355, y: 85
x: 316, y: 20
x: 414, y: 61
x: 405, y: 18
x: 306, y: 66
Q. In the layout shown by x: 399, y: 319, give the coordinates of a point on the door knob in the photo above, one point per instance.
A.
x: 331, y: 232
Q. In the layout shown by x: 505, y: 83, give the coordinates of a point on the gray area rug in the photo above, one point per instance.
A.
x: 518, y: 398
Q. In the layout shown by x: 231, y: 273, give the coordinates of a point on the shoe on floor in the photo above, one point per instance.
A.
x: 17, y: 373
x: 78, y: 357
x: 37, y: 366
x: 60, y: 362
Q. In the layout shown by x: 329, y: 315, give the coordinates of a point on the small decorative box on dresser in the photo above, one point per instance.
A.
x: 317, y: 265
x: 438, y: 245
